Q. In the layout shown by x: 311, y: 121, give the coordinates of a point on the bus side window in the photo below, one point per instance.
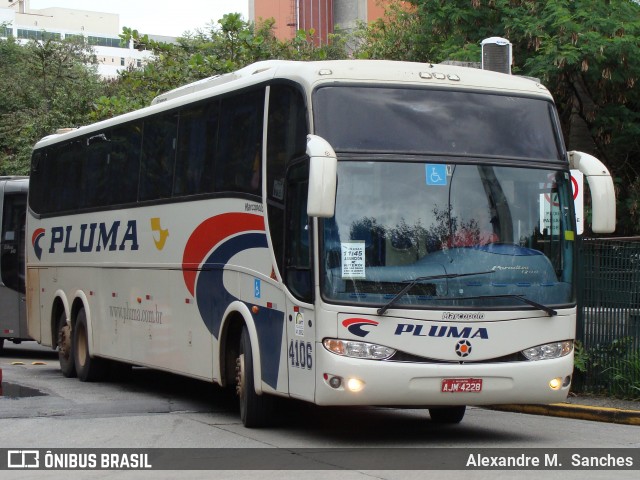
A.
x: 240, y: 133
x: 197, y: 138
x: 70, y: 169
x: 94, y: 158
x: 158, y: 156
x: 297, y: 250
x: 286, y: 143
x: 123, y: 165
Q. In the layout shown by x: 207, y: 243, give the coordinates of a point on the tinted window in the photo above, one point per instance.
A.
x: 158, y: 156
x: 436, y: 121
x: 164, y: 156
x: 286, y: 140
x: 12, y: 241
x: 240, y: 143
x: 197, y: 137
x: 122, y: 168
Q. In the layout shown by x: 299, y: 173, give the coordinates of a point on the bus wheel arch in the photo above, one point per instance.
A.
x: 229, y: 342
x: 256, y: 409
x: 59, y: 310
x: 236, y: 316
x: 62, y: 333
x: 65, y: 346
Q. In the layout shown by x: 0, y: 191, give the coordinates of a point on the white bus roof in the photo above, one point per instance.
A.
x: 311, y: 74
x: 384, y: 71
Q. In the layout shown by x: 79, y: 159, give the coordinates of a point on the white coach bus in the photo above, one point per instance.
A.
x: 341, y: 232
x: 13, y: 209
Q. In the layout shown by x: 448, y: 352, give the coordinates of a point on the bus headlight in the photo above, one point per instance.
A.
x: 349, y: 348
x: 549, y: 350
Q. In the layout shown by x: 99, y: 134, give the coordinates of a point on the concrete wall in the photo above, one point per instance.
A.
x: 346, y: 13
x: 281, y: 11
x: 56, y: 19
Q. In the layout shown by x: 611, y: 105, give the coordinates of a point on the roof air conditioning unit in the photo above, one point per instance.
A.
x: 496, y: 55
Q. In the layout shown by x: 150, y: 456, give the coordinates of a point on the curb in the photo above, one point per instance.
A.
x: 578, y: 412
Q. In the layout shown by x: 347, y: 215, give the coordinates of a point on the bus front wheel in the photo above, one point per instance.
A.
x: 445, y: 415
x: 65, y: 352
x: 254, y: 408
x: 88, y: 369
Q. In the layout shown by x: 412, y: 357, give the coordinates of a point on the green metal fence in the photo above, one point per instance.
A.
x: 608, y: 330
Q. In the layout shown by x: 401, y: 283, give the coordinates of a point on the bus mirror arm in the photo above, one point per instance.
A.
x: 323, y: 176
x: 603, y: 197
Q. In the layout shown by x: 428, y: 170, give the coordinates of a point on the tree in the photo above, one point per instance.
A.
x: 227, y: 45
x: 47, y: 85
x: 396, y: 36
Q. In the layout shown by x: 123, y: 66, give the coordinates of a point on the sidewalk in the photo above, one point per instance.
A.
x: 584, y: 407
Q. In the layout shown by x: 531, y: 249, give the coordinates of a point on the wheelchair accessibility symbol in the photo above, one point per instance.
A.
x: 436, y: 174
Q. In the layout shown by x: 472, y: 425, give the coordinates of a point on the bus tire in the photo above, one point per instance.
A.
x: 65, y: 350
x: 88, y: 369
x: 254, y: 409
x: 447, y: 415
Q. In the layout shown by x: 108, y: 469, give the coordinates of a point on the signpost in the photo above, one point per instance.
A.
x: 549, y: 219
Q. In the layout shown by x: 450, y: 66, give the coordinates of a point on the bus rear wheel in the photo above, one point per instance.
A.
x: 255, y: 410
x: 65, y: 352
x: 444, y: 415
x: 88, y: 369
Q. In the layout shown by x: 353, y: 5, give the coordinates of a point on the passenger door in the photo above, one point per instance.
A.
x: 12, y: 265
x: 298, y: 277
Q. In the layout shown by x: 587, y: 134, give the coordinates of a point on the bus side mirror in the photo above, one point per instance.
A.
x: 323, y: 177
x: 603, y: 197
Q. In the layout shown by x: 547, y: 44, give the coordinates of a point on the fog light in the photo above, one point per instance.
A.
x: 555, y: 383
x: 335, y: 382
x: 355, y: 385
x: 567, y: 381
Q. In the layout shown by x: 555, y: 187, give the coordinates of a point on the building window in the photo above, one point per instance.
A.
x: 104, y: 42
x: 37, y: 35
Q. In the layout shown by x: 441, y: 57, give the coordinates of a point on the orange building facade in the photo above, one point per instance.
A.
x: 323, y: 16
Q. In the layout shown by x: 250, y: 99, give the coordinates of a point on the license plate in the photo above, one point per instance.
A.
x: 461, y: 385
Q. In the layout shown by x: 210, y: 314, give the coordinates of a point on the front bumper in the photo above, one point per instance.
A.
x: 419, y: 384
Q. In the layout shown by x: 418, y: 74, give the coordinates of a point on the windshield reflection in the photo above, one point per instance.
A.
x: 396, y: 222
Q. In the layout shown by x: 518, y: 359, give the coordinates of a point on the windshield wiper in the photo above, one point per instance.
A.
x: 548, y: 310
x: 417, y: 280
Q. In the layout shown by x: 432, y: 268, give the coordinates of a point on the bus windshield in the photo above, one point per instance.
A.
x: 468, y: 236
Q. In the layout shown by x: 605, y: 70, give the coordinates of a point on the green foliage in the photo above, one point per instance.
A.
x: 54, y: 84
x: 397, y: 36
x: 612, y: 368
x: 46, y: 85
x: 626, y: 376
x: 226, y: 46
x: 580, y: 357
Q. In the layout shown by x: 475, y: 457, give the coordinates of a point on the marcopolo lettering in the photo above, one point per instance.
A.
x: 442, y: 331
x: 463, y: 316
x: 95, y: 237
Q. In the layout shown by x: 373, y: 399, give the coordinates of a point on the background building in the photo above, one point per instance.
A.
x: 323, y: 16
x: 100, y: 29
